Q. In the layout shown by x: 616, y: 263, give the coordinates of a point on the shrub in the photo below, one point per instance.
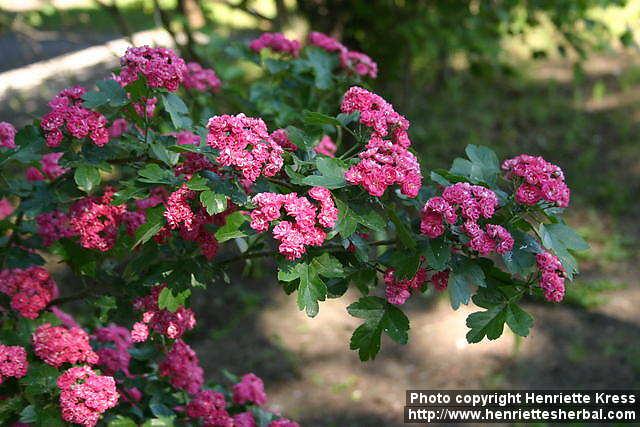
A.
x: 147, y: 193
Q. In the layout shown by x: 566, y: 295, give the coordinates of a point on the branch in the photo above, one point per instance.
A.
x: 118, y: 17
x: 242, y: 6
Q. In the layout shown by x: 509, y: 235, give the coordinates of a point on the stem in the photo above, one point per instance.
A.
x: 282, y: 183
x: 350, y: 151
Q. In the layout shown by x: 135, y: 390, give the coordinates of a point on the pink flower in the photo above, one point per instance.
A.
x: 245, y: 144
x: 183, y: 368
x: 161, y: 67
x: 542, y: 180
x: 386, y: 160
x: 244, y: 419
x: 96, y: 221
x: 398, y: 291
x: 440, y: 280
x: 118, y: 128
x: 187, y: 138
x: 302, y: 230
x: 201, y: 79
x: 30, y: 289
x: 146, y: 108
x: 140, y: 332
x: 6, y: 208
x: 67, y: 109
x: 326, y: 147
x: 171, y: 324
x: 552, y: 276
x: 85, y: 396
x: 32, y: 174
x: 281, y: 138
x: 53, y: 226
x: 250, y: 389
x: 50, y: 165
x: 114, y: 354
x: 283, y: 422
x: 210, y: 407
x: 325, y: 42
x: 7, y: 135
x: 13, y: 362
x: 57, y: 345
x: 359, y: 63
x: 277, y: 42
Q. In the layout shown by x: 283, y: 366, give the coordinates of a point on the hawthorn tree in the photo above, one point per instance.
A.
x: 147, y: 192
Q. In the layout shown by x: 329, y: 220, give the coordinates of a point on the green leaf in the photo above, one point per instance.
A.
x: 315, y: 118
x: 405, y: 264
x: 522, y: 258
x: 488, y: 323
x: 332, y: 171
x: 231, y: 228
x: 482, y: 166
x: 347, y: 222
x: 28, y: 415
x: 197, y: 183
x: 464, y: 275
x: 560, y: 239
x: 438, y: 253
x: 322, y: 64
x: 214, y: 203
x: 311, y: 289
x: 110, y: 92
x: 299, y: 138
x: 378, y: 316
x: 122, y: 421
x: 151, y: 227
x: 161, y: 153
x: 177, y: 110
x: 518, y: 320
x: 404, y: 234
x: 87, y: 177
x: 154, y: 174
x: 328, y: 266
x: 168, y: 301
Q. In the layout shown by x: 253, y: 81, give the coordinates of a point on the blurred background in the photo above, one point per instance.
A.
x: 559, y: 79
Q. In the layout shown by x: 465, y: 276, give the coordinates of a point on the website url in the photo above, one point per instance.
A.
x: 498, y: 415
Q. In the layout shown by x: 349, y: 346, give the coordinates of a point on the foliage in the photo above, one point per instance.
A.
x: 172, y: 197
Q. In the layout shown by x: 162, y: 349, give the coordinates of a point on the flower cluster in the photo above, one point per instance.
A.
x: 118, y: 127
x: 53, y: 226
x: 281, y: 137
x: 326, y: 147
x: 398, y: 291
x: 384, y: 161
x: 96, y: 221
x: 31, y: 289
x: 6, y: 208
x: 210, y: 406
x: 171, y: 324
x: 541, y: 180
x: 57, y: 345
x: 85, y: 395
x: 304, y: 228
x: 250, y: 389
x: 191, y: 225
x: 13, y: 362
x: 277, y: 42
x: 68, y: 112
x: 552, y: 276
x: 183, y: 368
x: 244, y: 143
x: 354, y: 61
x: 114, y: 355
x: 201, y: 79
x: 7, y: 135
x: 470, y: 202
x: 50, y: 166
x: 161, y: 67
